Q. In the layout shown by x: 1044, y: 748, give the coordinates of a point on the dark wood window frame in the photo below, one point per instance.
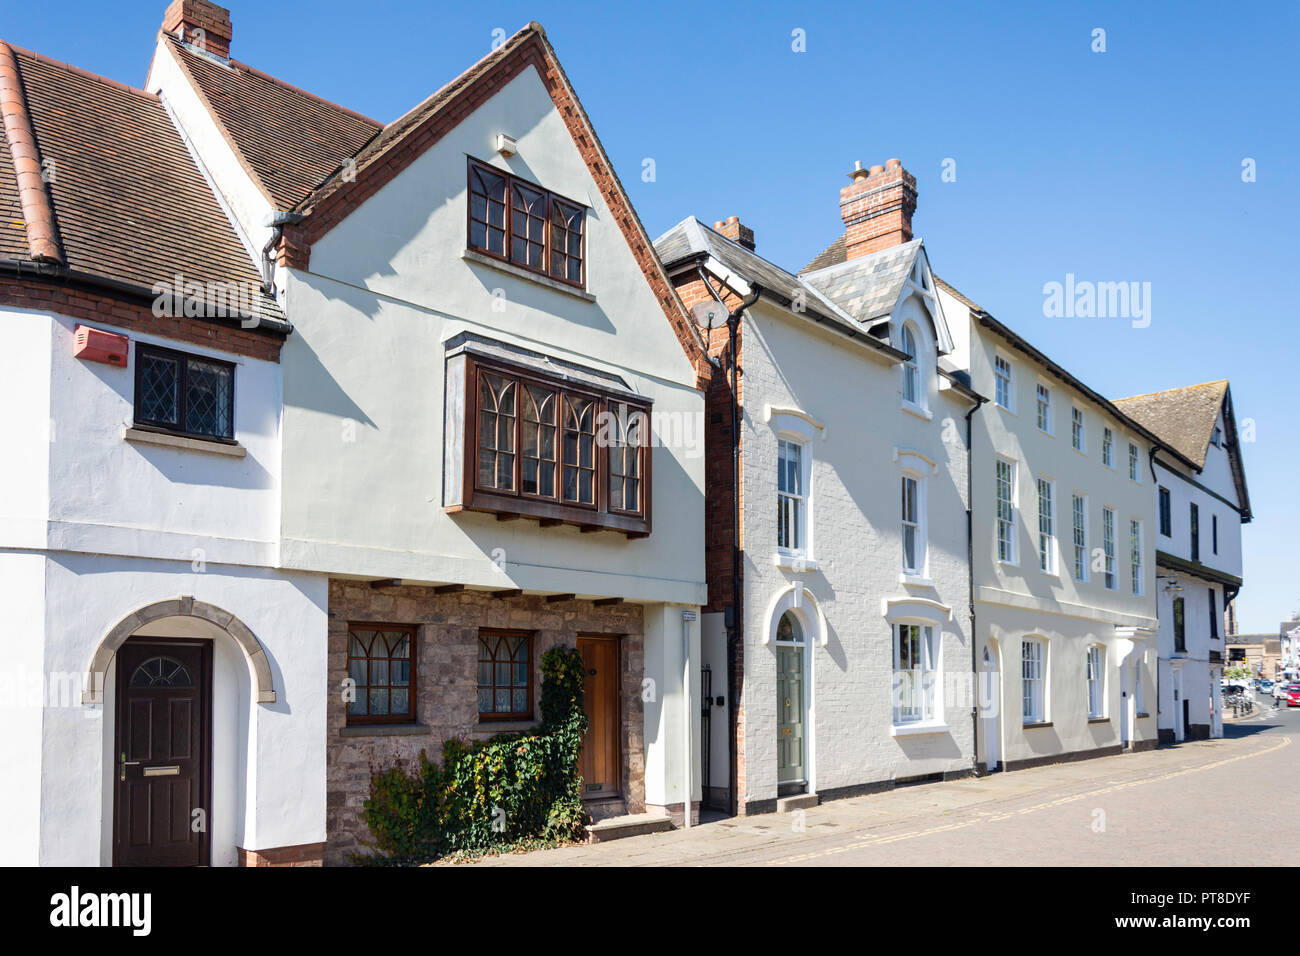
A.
x: 553, y: 509
x: 552, y: 203
x: 408, y: 716
x: 183, y: 360
x: 1180, y: 626
x: 1166, y: 513
x: 494, y: 715
x: 1194, y: 521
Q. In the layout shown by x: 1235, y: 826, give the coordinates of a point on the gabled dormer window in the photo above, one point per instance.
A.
x: 525, y: 225
x: 913, y: 381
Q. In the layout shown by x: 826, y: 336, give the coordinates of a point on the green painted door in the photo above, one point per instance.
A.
x: 789, y: 715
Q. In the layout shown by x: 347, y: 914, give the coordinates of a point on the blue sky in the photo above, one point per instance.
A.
x: 1117, y: 166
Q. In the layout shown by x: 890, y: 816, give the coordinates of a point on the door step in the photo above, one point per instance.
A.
x: 798, y: 801
x: 634, y: 824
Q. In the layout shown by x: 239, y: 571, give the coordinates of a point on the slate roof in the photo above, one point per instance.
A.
x: 832, y: 255
x: 129, y: 203
x: 868, y: 287
x: 1183, y: 417
x: 692, y: 238
x: 293, y: 141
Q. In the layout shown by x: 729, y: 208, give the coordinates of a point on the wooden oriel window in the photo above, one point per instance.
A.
x: 381, y: 666
x: 183, y: 393
x: 505, y: 675
x: 511, y: 219
x: 557, y: 450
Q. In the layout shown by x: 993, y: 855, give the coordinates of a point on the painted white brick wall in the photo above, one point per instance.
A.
x: 857, y: 541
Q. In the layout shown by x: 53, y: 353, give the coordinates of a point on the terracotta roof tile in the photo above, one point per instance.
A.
x: 129, y: 203
x: 291, y: 139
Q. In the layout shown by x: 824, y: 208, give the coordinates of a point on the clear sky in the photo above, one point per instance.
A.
x: 1123, y: 165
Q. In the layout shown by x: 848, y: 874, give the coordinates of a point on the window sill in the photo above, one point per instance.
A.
x: 923, y: 413
x: 1009, y: 411
x: 507, y: 726
x: 507, y: 508
x: 383, y: 730
x: 916, y: 580
x: 1099, y: 720
x: 143, y: 437
x: 1033, y: 725
x: 500, y: 265
x: 1141, y: 714
x: 917, y: 727
x: 794, y: 562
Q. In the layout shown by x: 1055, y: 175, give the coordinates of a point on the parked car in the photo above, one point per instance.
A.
x: 1265, y: 685
x: 1291, y: 696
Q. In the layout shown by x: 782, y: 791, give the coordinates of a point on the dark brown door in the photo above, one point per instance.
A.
x: 601, y: 767
x: 161, y: 753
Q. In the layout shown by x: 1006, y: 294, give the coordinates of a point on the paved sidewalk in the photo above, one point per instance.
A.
x: 1132, y: 809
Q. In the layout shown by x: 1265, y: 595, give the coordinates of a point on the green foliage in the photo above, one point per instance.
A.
x: 510, y: 791
x: 1235, y: 672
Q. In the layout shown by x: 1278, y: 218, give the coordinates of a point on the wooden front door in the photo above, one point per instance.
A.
x: 602, y: 770
x: 162, y: 753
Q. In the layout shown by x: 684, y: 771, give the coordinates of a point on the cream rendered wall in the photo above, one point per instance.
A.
x: 22, y: 588
x: 25, y: 384
x: 672, y: 653
x: 364, y: 380
x: 112, y: 496
x: 268, y: 759
x: 1015, y: 600
x: 856, y: 531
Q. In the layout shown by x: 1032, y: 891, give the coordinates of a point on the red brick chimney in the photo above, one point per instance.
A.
x: 877, y: 208
x: 737, y: 231
x: 200, y: 23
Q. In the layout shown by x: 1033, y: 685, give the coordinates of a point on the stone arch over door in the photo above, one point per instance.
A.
x: 202, y: 617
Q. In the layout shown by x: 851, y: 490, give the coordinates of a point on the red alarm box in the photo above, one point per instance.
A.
x: 94, y: 345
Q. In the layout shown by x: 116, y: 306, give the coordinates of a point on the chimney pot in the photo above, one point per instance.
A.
x: 893, y: 164
x: 877, y: 170
x: 736, y: 231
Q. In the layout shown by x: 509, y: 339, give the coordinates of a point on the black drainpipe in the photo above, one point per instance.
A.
x: 970, y: 585
x: 734, y: 633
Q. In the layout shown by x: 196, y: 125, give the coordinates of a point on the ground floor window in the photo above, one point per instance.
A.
x: 916, y: 657
x: 505, y: 675
x: 1096, y: 684
x: 379, y: 665
x: 1031, y: 676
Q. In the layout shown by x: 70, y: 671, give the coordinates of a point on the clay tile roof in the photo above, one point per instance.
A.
x: 391, y: 135
x: 292, y: 141
x: 129, y: 204
x: 1182, y: 417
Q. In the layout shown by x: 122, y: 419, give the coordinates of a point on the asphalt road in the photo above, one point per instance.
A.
x: 1194, y: 804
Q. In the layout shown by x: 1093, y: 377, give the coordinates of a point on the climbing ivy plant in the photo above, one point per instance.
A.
x: 509, y: 791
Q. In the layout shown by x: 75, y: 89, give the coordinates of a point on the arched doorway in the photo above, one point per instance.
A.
x: 794, y: 627
x: 178, y: 681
